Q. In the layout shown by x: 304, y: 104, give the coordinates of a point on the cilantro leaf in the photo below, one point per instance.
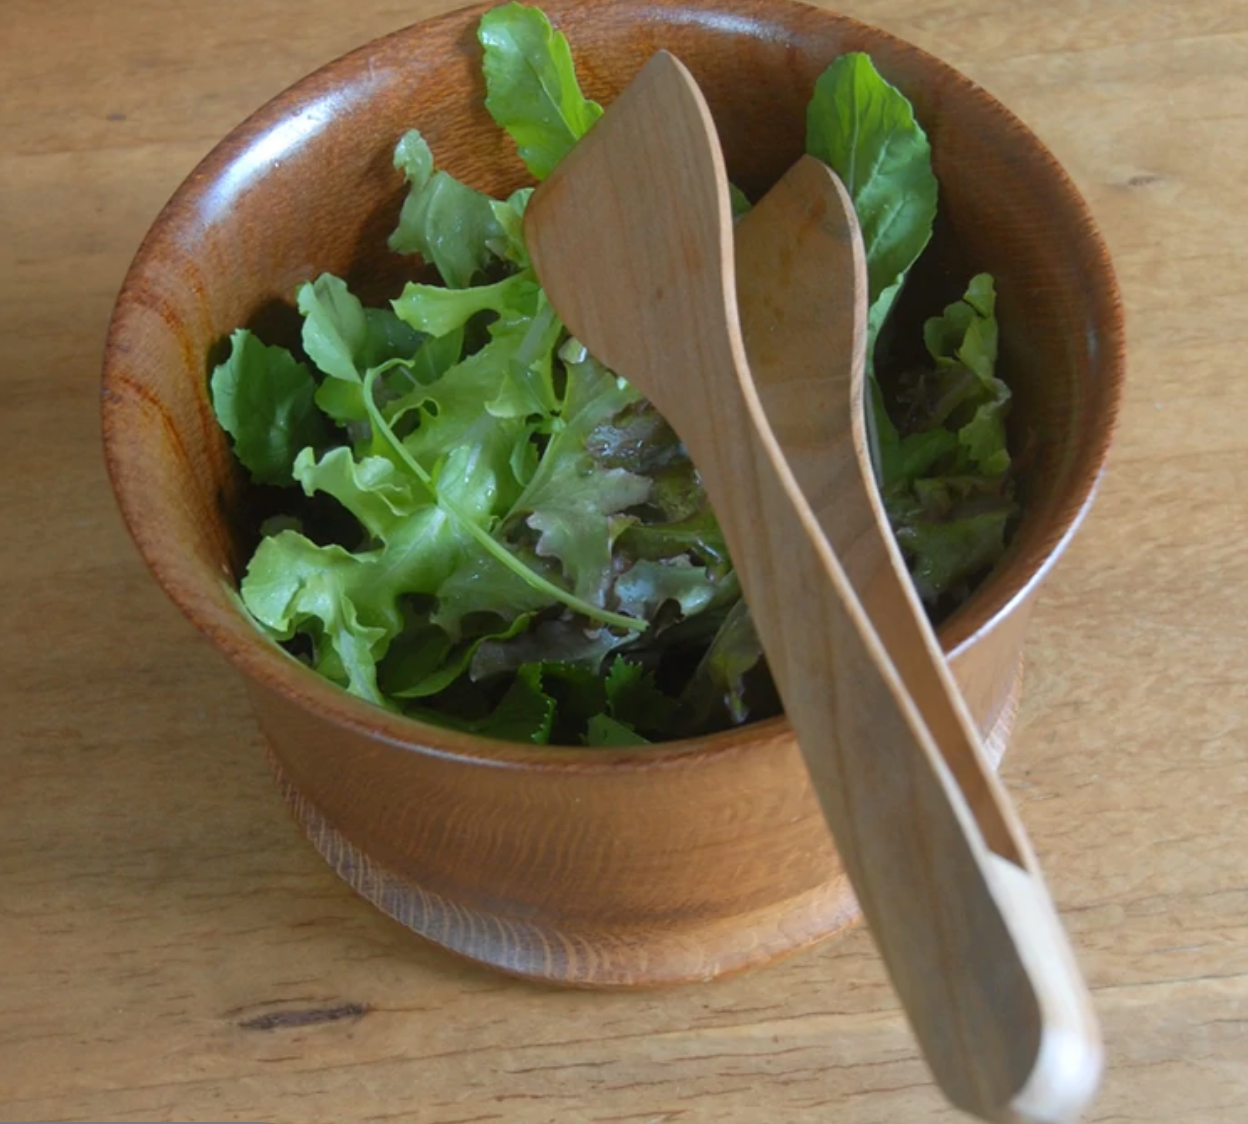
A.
x: 264, y: 399
x: 531, y: 86
x: 524, y: 714
x: 634, y: 700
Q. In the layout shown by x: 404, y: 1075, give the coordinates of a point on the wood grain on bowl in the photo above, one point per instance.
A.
x: 608, y: 868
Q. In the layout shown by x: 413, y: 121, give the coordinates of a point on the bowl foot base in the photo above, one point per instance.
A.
x: 582, y: 957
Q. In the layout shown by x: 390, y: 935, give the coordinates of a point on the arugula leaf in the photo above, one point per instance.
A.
x: 531, y: 86
x: 264, y: 399
x: 444, y: 221
x: 865, y: 130
x: 334, y: 326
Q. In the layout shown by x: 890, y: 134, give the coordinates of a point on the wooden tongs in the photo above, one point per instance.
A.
x: 751, y: 344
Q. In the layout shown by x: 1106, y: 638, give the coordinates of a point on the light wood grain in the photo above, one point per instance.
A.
x: 637, y: 218
x: 154, y: 899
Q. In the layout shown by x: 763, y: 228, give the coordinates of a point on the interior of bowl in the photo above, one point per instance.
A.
x: 307, y: 185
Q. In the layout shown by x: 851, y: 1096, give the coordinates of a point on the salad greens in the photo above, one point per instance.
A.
x: 486, y: 529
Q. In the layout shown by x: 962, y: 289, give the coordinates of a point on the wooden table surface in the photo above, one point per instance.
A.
x: 170, y: 947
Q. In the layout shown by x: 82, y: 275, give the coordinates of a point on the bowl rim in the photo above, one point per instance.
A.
x: 263, y: 661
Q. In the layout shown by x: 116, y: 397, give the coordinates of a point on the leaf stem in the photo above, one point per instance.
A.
x: 487, y: 541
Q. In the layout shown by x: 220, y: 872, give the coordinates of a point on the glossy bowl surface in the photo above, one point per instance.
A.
x: 663, y: 864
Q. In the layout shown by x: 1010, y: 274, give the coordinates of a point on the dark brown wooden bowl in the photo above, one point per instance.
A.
x: 658, y: 865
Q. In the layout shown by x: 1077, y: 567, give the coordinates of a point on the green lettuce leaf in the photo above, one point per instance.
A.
x: 551, y: 642
x: 443, y: 220
x: 372, y: 489
x: 346, y: 340
x: 946, y: 552
x: 265, y: 400
x: 531, y: 86
x: 509, y: 245
x: 419, y: 676
x: 436, y: 311
x: 293, y: 585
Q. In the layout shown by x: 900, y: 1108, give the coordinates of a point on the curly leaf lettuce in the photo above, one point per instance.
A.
x: 502, y: 536
x: 443, y: 220
x: 264, y: 399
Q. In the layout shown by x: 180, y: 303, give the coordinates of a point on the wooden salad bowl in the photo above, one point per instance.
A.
x: 594, y: 867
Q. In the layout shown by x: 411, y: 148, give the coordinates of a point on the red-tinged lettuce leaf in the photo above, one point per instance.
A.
x: 564, y: 641
x: 570, y: 496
